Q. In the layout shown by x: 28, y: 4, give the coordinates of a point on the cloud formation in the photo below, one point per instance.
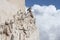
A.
x: 48, y: 21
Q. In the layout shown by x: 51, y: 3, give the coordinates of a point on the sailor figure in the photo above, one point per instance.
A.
x: 29, y: 10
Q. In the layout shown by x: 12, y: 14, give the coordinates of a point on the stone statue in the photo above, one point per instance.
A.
x: 15, y: 24
x: 29, y: 9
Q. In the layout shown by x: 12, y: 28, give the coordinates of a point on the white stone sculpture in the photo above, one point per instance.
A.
x: 15, y: 24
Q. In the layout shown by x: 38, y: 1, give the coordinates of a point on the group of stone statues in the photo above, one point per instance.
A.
x: 19, y: 28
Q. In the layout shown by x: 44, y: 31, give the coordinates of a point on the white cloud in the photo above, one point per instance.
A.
x: 48, y: 21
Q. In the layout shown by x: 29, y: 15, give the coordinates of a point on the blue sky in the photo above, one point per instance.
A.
x: 43, y: 2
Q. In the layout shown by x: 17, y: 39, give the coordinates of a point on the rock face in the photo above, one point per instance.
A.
x: 16, y: 24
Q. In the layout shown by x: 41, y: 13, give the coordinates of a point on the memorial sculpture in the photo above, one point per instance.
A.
x: 15, y: 23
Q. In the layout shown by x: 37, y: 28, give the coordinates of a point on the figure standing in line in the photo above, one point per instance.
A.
x: 29, y: 10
